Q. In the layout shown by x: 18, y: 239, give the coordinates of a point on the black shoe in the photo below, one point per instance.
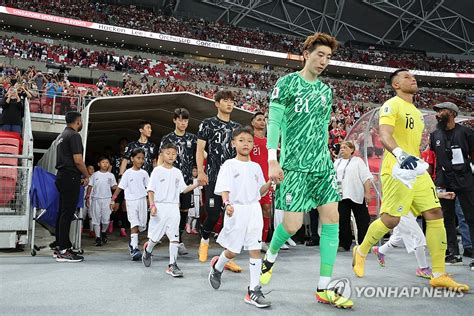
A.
x: 312, y: 243
x: 453, y: 260
x: 467, y: 252
x: 98, y: 242
x: 103, y: 236
x: 69, y: 256
x: 53, y: 245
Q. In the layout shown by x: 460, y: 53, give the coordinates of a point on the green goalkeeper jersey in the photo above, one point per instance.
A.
x: 304, y: 126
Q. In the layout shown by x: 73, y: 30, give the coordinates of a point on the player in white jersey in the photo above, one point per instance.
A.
x: 134, y: 181
x: 241, y: 184
x: 100, y: 188
x: 193, y: 213
x: 165, y: 185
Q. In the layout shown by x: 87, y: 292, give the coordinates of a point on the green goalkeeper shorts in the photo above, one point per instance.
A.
x: 304, y: 191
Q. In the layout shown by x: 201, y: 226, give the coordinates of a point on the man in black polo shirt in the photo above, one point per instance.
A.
x: 186, y: 159
x: 70, y: 166
x: 453, y: 145
x: 143, y: 142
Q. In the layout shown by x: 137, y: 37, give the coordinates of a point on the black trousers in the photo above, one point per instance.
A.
x: 68, y: 185
x: 362, y: 217
x: 314, y: 221
x: 213, y: 209
x: 466, y: 199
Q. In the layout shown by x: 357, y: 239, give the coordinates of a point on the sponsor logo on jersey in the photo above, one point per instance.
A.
x: 400, y: 209
x: 438, y: 143
x: 176, y: 183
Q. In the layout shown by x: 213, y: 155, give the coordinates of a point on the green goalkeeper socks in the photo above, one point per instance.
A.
x: 328, y: 244
x: 280, y: 236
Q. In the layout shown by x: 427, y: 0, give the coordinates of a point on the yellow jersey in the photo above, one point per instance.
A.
x: 408, y: 125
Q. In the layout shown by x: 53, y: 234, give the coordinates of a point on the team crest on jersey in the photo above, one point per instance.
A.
x: 438, y: 143
x: 288, y: 199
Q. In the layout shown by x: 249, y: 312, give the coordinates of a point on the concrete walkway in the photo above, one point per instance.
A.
x: 107, y: 282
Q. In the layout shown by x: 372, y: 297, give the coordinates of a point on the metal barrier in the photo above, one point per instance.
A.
x: 16, y: 176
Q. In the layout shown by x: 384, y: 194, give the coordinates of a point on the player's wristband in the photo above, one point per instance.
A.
x: 272, y: 154
x: 397, y: 152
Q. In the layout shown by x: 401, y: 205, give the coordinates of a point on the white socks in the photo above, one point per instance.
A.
x: 255, y: 267
x: 323, y: 282
x: 206, y: 241
x: 385, y: 248
x: 173, y: 252
x: 270, y: 256
x: 150, y: 245
x: 134, y: 240
x: 97, y: 231
x: 421, y: 257
x: 221, y: 262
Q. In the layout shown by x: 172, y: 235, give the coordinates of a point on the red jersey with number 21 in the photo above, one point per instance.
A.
x: 259, y: 154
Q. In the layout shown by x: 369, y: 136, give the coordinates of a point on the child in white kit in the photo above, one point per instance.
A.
x: 193, y: 213
x: 241, y: 184
x: 100, y: 188
x: 165, y: 185
x: 134, y: 181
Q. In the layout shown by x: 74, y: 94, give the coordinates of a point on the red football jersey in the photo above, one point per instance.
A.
x: 259, y: 154
x: 429, y: 157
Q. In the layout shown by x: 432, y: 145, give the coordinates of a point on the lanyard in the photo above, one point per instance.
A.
x: 344, y: 171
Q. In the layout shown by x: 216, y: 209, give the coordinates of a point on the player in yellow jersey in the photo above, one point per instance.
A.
x: 400, y: 127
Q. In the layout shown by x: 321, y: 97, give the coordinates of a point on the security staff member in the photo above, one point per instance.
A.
x: 453, y: 145
x: 70, y: 166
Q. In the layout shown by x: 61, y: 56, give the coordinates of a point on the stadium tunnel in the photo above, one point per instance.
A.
x: 108, y: 119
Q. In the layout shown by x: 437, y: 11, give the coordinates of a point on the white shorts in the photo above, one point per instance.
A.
x: 100, y: 211
x: 408, y: 233
x: 137, y: 213
x: 166, y: 222
x: 243, y: 229
x: 194, y: 211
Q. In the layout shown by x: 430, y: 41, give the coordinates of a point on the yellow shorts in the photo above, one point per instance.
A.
x: 398, y: 199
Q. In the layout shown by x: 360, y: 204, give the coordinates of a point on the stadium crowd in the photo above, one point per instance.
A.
x: 145, y: 19
x: 167, y: 74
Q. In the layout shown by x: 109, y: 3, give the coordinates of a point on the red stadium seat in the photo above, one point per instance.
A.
x: 10, y: 143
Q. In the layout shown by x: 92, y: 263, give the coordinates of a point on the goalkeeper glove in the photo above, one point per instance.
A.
x: 405, y: 160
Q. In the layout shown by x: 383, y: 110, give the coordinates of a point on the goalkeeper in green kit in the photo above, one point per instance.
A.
x: 300, y: 109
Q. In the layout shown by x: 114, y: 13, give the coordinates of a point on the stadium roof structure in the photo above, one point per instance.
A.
x: 107, y: 119
x: 443, y: 26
